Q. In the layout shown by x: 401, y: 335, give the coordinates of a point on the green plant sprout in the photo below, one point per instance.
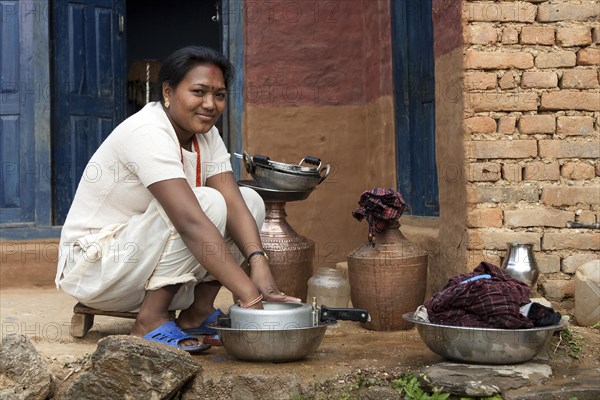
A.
x: 573, y: 343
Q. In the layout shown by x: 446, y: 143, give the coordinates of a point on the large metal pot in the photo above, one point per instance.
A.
x: 280, y: 316
x: 285, y: 316
x: 281, y: 331
x: 277, y: 175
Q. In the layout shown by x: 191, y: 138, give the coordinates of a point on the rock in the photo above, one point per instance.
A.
x: 23, y: 372
x: 245, y: 387
x: 127, y: 367
x: 482, y: 380
x: 571, y: 383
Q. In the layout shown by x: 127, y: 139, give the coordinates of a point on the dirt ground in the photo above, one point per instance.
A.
x: 44, y: 314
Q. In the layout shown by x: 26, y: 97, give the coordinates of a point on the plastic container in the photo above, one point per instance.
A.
x: 587, y: 293
x: 329, y: 287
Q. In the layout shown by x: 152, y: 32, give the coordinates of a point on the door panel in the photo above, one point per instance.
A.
x: 89, y: 88
x: 414, y: 95
x: 17, y: 98
x: 10, y: 143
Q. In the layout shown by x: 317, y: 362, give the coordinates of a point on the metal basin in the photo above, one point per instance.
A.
x: 273, y: 345
x: 484, y: 345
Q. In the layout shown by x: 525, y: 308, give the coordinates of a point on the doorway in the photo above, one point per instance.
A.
x: 105, y: 57
x: 155, y: 28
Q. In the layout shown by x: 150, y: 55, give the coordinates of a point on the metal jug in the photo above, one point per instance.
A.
x: 520, y: 263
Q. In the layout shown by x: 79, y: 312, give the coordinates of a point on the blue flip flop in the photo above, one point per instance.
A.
x: 204, y: 329
x: 170, y: 334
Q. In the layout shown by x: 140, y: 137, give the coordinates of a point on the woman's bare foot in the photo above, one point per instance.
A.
x: 192, y: 318
x: 141, y: 328
x: 144, y: 325
x: 203, y: 305
x: 154, y: 312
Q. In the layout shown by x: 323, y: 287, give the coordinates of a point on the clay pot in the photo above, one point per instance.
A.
x: 388, y: 279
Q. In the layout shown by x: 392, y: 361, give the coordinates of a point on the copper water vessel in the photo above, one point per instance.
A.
x: 290, y: 254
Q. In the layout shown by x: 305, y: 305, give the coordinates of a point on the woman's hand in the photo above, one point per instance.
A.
x: 263, y: 279
x: 255, y: 304
x: 277, y: 295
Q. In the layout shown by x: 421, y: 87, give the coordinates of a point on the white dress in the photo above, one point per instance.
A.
x: 117, y: 242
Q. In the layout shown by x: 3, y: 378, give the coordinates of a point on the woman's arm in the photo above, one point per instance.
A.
x: 197, y: 230
x: 244, y: 232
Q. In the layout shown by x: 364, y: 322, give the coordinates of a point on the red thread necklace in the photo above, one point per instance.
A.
x: 198, y: 164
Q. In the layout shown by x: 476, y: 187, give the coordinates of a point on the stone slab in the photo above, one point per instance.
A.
x: 483, y: 380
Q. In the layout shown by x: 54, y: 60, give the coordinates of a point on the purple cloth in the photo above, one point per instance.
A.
x: 380, y: 207
x: 484, y: 303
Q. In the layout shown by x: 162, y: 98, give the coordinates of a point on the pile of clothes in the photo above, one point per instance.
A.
x: 486, y: 298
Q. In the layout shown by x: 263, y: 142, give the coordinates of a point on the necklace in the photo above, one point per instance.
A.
x: 198, y: 165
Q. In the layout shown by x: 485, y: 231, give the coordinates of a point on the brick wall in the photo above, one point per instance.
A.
x: 532, y: 142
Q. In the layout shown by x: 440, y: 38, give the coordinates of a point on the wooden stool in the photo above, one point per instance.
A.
x: 83, y: 318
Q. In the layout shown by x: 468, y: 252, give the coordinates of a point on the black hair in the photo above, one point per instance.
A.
x: 181, y: 61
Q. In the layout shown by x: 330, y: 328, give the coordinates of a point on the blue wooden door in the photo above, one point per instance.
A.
x: 414, y: 96
x: 17, y: 97
x: 88, y: 88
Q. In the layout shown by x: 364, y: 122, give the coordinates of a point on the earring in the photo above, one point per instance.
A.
x: 167, y: 103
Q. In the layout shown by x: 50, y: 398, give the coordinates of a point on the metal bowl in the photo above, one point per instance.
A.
x: 484, y: 345
x: 277, y: 175
x: 273, y: 345
x: 275, y: 195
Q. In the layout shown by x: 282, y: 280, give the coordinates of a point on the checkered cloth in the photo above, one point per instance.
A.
x: 484, y: 303
x: 380, y: 207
